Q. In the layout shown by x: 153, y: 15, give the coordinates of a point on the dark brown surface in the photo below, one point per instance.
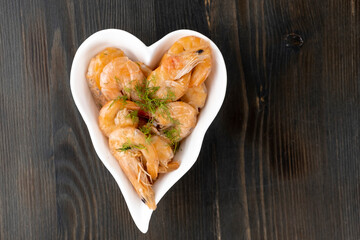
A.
x: 281, y: 160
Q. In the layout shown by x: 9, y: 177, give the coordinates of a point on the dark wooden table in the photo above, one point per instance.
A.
x: 281, y: 160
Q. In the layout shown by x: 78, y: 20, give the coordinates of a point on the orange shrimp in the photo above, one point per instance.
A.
x: 163, y: 149
x: 173, y: 74
x: 120, y: 77
x: 196, y: 96
x: 178, y: 116
x: 192, y: 43
x: 167, y: 87
x: 96, y: 67
x: 144, y: 68
x: 129, y: 147
x: 116, y: 114
x: 134, y: 136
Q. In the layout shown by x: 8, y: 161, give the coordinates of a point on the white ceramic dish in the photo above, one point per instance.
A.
x: 137, y: 50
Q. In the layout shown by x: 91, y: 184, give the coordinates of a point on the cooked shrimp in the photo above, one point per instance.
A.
x: 129, y: 146
x: 134, y: 137
x: 144, y: 68
x: 173, y: 74
x: 121, y: 76
x: 196, y: 96
x: 177, y: 65
x: 177, y: 120
x: 192, y: 43
x: 169, y: 88
x: 163, y: 149
x: 116, y: 114
x: 96, y: 67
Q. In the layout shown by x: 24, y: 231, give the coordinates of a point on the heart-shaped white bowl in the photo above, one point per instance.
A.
x: 137, y: 50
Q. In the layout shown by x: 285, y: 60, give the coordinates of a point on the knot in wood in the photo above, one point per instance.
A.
x: 293, y: 40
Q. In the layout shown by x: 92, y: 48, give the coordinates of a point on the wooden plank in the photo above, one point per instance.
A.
x: 190, y: 209
x: 294, y: 162
x: 230, y: 126
x: 27, y: 182
x: 89, y: 202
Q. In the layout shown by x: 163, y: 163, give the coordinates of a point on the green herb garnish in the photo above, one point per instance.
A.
x: 176, y: 146
x: 127, y: 146
x: 133, y: 115
x: 148, y: 101
x: 127, y: 90
x: 122, y: 98
x: 173, y: 134
x: 146, y: 129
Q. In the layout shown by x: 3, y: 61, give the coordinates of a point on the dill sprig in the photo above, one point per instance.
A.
x: 146, y: 130
x: 133, y: 115
x: 148, y: 101
x: 176, y: 146
x: 127, y: 90
x: 127, y: 146
x: 119, y: 98
x: 152, y: 104
x: 173, y: 134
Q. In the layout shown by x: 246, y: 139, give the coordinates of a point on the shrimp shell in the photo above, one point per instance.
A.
x: 182, y: 116
x: 163, y: 149
x: 121, y: 76
x: 174, y: 73
x: 95, y: 68
x: 135, y: 136
x: 177, y: 65
x: 130, y: 163
x: 192, y: 43
x: 166, y: 85
x: 144, y: 68
x: 108, y: 116
x: 196, y: 96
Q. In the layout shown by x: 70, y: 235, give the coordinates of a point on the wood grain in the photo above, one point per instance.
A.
x: 280, y: 161
x: 27, y: 186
